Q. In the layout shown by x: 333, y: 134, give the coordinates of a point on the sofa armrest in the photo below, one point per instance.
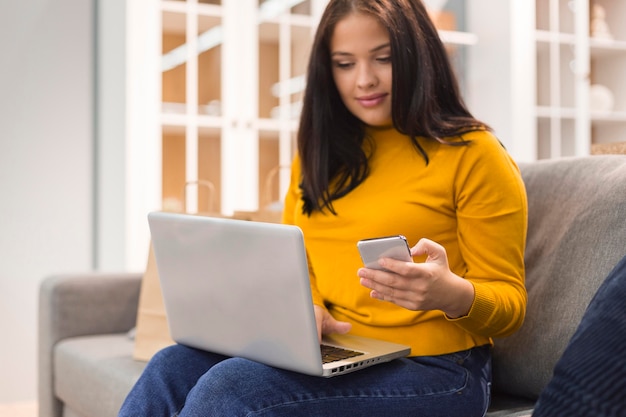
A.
x: 80, y: 305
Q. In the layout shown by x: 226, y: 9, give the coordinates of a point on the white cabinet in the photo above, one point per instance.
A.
x: 560, y: 85
x: 608, y: 69
x: 231, y: 87
x: 212, y: 96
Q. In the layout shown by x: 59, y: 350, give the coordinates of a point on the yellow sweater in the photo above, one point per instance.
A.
x: 470, y: 199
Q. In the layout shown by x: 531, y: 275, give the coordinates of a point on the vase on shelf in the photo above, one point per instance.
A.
x: 598, y: 26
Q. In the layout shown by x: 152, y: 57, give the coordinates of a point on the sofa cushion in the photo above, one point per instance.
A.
x: 576, y: 235
x: 93, y: 374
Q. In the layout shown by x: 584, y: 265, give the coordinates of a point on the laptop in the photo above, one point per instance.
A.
x: 241, y: 288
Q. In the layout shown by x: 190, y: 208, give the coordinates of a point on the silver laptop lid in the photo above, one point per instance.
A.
x: 200, y: 260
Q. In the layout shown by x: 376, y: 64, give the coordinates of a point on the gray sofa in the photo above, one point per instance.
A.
x: 577, y: 233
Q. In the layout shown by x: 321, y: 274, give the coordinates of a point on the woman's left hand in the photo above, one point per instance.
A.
x: 421, y: 286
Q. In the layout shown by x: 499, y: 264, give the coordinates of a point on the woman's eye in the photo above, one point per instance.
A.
x: 343, y: 65
x: 384, y: 59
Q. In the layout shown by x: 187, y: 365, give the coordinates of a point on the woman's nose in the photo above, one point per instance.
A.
x: 366, y: 77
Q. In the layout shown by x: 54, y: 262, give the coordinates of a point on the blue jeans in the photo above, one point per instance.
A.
x: 590, y: 377
x: 181, y: 381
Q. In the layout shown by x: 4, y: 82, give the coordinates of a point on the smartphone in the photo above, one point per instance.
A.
x: 373, y: 249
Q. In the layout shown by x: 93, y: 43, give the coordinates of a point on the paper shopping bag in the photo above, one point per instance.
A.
x: 152, y: 333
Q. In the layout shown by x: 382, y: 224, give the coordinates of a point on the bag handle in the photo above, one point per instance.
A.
x: 200, y: 183
x: 269, y: 180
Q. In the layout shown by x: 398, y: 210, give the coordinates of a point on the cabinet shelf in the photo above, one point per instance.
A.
x: 275, y: 125
x: 598, y: 46
x: 606, y: 47
x: 182, y: 120
x: 546, y: 36
x: 547, y: 112
x: 598, y: 117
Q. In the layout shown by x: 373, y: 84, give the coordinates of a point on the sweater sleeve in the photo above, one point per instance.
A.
x: 492, y: 221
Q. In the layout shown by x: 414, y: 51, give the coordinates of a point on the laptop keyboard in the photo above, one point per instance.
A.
x: 333, y: 353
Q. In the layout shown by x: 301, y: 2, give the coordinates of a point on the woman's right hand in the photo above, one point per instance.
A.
x: 326, y: 324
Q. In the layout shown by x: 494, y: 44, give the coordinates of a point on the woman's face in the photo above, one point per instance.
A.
x: 360, y: 56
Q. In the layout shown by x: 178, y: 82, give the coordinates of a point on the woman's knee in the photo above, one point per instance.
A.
x: 182, y: 360
x: 233, y: 384
x: 235, y: 374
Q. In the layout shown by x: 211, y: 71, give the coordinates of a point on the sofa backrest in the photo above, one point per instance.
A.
x: 576, y: 235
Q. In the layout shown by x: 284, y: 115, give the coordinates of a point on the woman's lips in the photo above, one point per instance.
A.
x: 371, y: 100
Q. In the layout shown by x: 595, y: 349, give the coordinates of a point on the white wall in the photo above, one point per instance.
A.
x: 46, y: 167
x: 500, y: 71
x: 111, y: 172
x: 489, y: 66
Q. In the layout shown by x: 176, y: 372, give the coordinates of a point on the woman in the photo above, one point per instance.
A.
x: 386, y: 146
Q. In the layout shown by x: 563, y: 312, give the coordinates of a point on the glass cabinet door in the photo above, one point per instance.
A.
x: 232, y: 80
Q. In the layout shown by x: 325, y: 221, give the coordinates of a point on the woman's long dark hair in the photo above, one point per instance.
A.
x: 426, y: 101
